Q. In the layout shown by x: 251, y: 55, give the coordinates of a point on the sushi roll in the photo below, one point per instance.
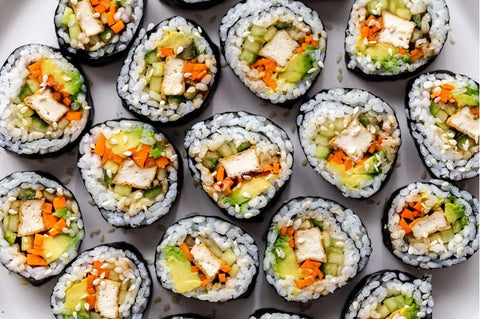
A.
x: 351, y: 138
x: 45, y: 102
x: 171, y: 72
x: 185, y: 316
x: 241, y: 160
x: 41, y: 226
x: 96, y: 32
x: 193, y: 4
x: 392, y: 39
x: 314, y: 246
x: 390, y: 294
x: 275, y: 47
x: 276, y: 314
x: 207, y: 258
x: 132, y: 172
x: 107, y: 281
x: 431, y: 225
x: 442, y: 112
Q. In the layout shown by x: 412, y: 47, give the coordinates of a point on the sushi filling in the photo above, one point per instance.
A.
x: 92, y: 24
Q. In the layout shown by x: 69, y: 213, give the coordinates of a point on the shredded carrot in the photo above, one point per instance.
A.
x: 118, y: 26
x: 269, y: 82
x: 310, y: 264
x: 276, y: 168
x: 49, y: 220
x: 53, y: 232
x: 162, y: 162
x: 405, y: 226
x: 94, y: 2
x: 302, y: 283
x: 35, y: 260
x: 50, y: 81
x: 319, y: 274
x: 100, y: 146
x: 116, y: 158
x: 204, y: 283
x: 184, y: 248
x: 416, y: 54
x: 407, y: 213
x: 47, y: 208
x: 59, y: 202
x: 291, y: 243
x: 101, y: 8
x: 67, y: 101
x: 199, y: 75
x: 418, y: 206
x: 371, y: 28
x: 194, y: 269
x: 34, y: 251
x: 190, y: 67
x: 90, y: 300
x: 90, y: 279
x: 348, y: 164
x: 402, y: 51
x: 474, y: 111
x: 97, y: 264
x: 37, y: 66
x: 107, y: 155
x: 110, y: 18
x: 267, y: 168
x: 139, y: 157
x: 73, y: 116
x: 290, y: 231
x: 220, y: 173
x: 227, y: 184
x: 38, y: 241
x: 225, y: 268
x: 283, y: 231
x: 166, y: 52
x: 60, y: 224
x: 57, y: 96
x: 150, y: 162
x: 222, y: 277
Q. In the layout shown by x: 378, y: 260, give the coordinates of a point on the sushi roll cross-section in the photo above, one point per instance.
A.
x: 132, y: 172
x: 389, y: 39
x: 276, y: 48
x: 170, y: 73
x: 97, y: 31
x: 193, y: 4
x: 41, y: 227
x: 45, y: 102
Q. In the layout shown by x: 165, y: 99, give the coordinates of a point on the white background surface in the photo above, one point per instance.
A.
x: 455, y: 290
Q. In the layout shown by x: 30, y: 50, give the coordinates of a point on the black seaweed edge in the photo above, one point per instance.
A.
x: 83, y: 57
x: 104, y: 211
x: 192, y: 6
x: 88, y: 97
x: 252, y: 283
x: 185, y: 316
x: 260, y: 216
x: 260, y: 312
x: 379, y: 78
x: 300, y: 198
x: 193, y: 114
x: 377, y: 275
x: 393, y: 166
x: 289, y: 103
x: 120, y: 245
x: 49, y: 176
x: 410, y: 122
x: 387, y: 241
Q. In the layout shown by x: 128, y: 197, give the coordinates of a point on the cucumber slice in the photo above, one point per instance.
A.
x: 151, y: 57
x: 24, y: 92
x: 152, y: 193
x: 10, y: 237
x: 248, y: 57
x: 243, y: 146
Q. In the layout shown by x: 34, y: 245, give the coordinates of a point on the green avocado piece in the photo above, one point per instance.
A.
x: 125, y: 140
x: 55, y: 246
x: 380, y: 51
x: 72, y: 81
x: 26, y: 193
x: 252, y: 188
x: 10, y: 237
x: 175, y: 40
x: 286, y: 266
x: 297, y: 67
x: 454, y: 211
x: 180, y: 269
x: 152, y: 193
x: 74, y: 294
x: 349, y: 180
x: 464, y: 99
x: 368, y: 167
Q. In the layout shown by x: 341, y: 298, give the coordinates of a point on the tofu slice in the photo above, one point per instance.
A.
x: 308, y: 244
x: 354, y: 140
x: 107, y: 298
x: 30, y: 217
x: 85, y: 14
x: 46, y: 106
x: 427, y: 225
x: 241, y: 163
x: 281, y: 48
x: 463, y: 121
x: 131, y: 175
x: 173, y: 80
x: 397, y: 31
x: 206, y: 261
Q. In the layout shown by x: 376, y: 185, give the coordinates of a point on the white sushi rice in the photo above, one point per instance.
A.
x: 226, y: 236
x: 13, y: 76
x: 92, y: 173
x: 338, y: 103
x: 438, y: 27
x: 131, y: 15
x: 239, y: 127
x: 378, y: 286
x: 234, y: 29
x: 277, y: 315
x: 10, y: 255
x: 440, y: 254
x: 131, y: 83
x: 341, y: 223
x: 137, y: 298
x: 442, y: 158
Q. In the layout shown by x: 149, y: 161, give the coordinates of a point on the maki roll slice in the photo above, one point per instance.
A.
x: 276, y: 314
x: 170, y: 73
x: 107, y: 281
x: 276, y: 48
x: 241, y: 160
x: 431, y: 225
x: 185, y: 316
x: 207, y: 258
x: 351, y: 138
x: 44, y: 101
x: 314, y: 246
x: 442, y: 111
x: 193, y: 4
x: 41, y: 227
x: 391, y: 39
x: 132, y: 172
x: 390, y: 294
x: 96, y: 32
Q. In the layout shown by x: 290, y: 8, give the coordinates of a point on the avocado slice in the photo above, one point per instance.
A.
x: 55, y: 246
x: 287, y: 266
x: 175, y: 40
x: 180, y: 269
x: 71, y: 86
x: 454, y: 211
x: 252, y: 188
x: 125, y: 140
x: 74, y: 294
x: 297, y: 67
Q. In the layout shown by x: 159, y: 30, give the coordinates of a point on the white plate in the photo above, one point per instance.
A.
x: 455, y: 290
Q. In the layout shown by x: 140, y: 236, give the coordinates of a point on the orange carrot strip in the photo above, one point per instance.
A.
x: 276, y: 168
x: 402, y: 51
x: 60, y: 224
x: 90, y: 279
x: 90, y: 300
x: 53, y: 232
x: 283, y: 231
x: 34, y: 251
x: 267, y: 168
x: 47, y: 208
x: 407, y: 213
x: 302, y: 283
x: 405, y: 226
x: 200, y: 75
x: 110, y: 18
x: 67, y: 102
x: 38, y: 241
x: 35, y: 260
x: 49, y: 220
x: 162, y: 162
x: 73, y: 116
x: 222, y: 278
x: 227, y: 183
x: 116, y: 158
x: 418, y: 206
x: 37, y: 66
x: 59, y: 202
x: 194, y: 269
x: 290, y: 231
x: 94, y: 2
x: 184, y: 248
x: 139, y: 158
x: 101, y: 8
x: 166, y: 52
x: 57, y: 96
x: 150, y: 162
x: 225, y: 268
x: 269, y: 82
x: 118, y: 26
x: 291, y: 243
x: 97, y: 264
x: 319, y: 273
x: 220, y: 173
x: 107, y: 155
x: 100, y: 146
x: 204, y: 283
